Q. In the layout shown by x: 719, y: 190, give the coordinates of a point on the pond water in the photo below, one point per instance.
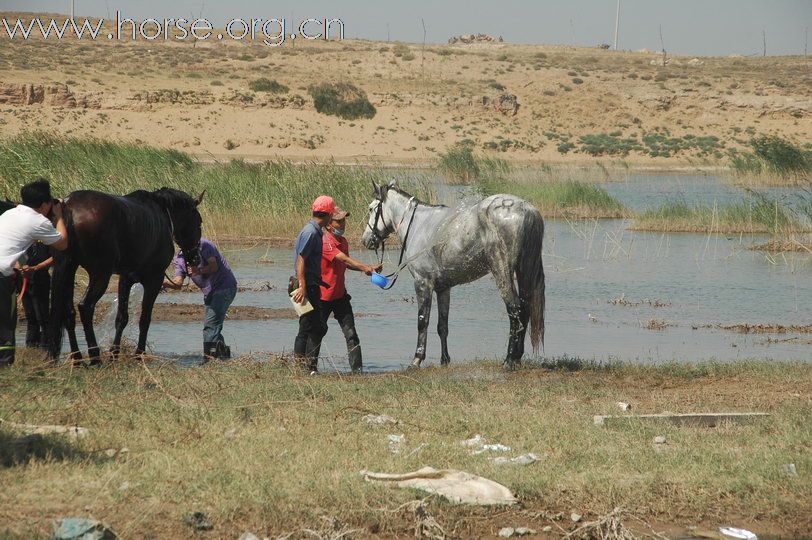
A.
x: 684, y: 281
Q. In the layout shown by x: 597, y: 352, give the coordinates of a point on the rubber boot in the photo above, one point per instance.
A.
x: 209, y: 350
x: 222, y: 351
x: 356, y: 362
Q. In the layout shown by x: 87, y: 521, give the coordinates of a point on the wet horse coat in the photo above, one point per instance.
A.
x: 130, y: 236
x: 501, y: 235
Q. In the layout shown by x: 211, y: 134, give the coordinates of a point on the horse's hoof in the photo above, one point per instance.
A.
x: 511, y: 365
x: 445, y: 362
x: 415, y: 363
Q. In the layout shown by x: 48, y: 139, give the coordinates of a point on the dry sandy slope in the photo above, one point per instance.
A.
x: 423, y: 105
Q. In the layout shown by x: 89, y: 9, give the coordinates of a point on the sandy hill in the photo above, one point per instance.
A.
x: 521, y: 102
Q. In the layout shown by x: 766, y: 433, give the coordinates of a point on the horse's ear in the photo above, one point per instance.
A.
x: 200, y: 198
x: 376, y: 190
x: 392, y: 184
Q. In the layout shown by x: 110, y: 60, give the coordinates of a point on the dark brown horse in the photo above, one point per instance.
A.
x: 130, y: 236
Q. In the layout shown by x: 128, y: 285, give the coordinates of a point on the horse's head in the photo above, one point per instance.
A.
x: 379, y: 222
x: 185, y: 221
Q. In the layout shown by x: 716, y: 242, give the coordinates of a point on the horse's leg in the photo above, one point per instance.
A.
x: 423, y: 290
x: 70, y: 320
x: 123, y: 315
x: 443, y: 303
x: 504, y: 281
x: 152, y: 286
x: 98, y: 284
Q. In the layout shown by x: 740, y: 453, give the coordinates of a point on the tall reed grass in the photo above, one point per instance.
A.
x: 773, y: 160
x: 760, y: 214
x: 264, y: 199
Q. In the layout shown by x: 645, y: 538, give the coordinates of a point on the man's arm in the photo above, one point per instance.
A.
x: 37, y: 267
x: 210, y: 267
x: 62, y: 243
x: 174, y: 283
x: 300, y: 294
x: 357, y: 265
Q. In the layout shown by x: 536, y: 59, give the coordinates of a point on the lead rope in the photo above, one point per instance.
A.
x: 394, y: 275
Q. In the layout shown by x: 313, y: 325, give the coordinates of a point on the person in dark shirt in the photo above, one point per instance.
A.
x: 37, y: 293
x: 214, y: 277
x: 307, y: 283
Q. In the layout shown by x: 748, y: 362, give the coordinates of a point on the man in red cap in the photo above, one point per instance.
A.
x: 307, y: 267
x: 334, y: 297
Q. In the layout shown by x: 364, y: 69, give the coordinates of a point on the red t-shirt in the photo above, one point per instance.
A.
x: 333, y: 270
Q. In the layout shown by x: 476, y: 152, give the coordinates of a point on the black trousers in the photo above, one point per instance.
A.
x: 8, y: 318
x: 311, y: 329
x: 35, y: 304
x: 341, y: 309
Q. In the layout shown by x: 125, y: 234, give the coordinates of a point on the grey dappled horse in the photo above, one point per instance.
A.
x: 445, y: 247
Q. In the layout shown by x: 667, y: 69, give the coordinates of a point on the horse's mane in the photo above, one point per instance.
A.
x: 171, y: 199
x: 409, y: 195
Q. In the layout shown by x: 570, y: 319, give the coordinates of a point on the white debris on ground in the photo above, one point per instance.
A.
x: 396, y: 442
x: 524, y: 459
x: 378, y: 419
x: 457, y: 486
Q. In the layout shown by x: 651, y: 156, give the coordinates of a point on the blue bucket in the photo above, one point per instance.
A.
x: 379, y: 280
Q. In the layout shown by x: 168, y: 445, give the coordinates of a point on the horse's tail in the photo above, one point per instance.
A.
x: 61, y: 291
x: 530, y: 274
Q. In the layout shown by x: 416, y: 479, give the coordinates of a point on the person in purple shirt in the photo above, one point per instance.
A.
x: 214, y: 277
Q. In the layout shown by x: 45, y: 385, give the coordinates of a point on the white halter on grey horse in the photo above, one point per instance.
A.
x: 445, y: 247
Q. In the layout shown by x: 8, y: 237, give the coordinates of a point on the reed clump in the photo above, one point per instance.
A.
x: 759, y: 214
x: 242, y: 198
x: 773, y: 160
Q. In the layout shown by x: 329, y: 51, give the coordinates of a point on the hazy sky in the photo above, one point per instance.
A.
x: 691, y: 27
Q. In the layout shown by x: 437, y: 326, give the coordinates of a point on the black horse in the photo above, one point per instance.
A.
x: 130, y: 236
x: 6, y: 205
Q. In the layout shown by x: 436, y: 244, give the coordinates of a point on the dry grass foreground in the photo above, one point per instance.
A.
x: 198, y: 97
x: 258, y: 447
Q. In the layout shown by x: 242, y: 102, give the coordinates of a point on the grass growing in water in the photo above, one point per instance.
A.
x: 264, y: 199
x: 554, y: 198
x: 559, y: 199
x: 258, y: 447
x: 773, y: 160
x: 758, y: 215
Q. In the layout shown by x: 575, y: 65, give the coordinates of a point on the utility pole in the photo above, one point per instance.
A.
x: 387, y: 32
x: 806, y: 39
x: 71, y: 9
x: 764, y: 43
x: 617, y: 22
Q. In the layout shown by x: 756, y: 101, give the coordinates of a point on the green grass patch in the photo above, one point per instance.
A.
x: 757, y: 215
x: 270, y: 198
x: 341, y: 99
x: 557, y: 199
x: 259, y: 447
x: 264, y: 84
x: 773, y: 156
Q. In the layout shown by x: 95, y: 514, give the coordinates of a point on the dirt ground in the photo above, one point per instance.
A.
x: 195, y: 97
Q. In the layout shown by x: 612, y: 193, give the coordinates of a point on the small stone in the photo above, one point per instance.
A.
x: 506, y: 532
x: 247, y: 535
x: 124, y: 486
x: 623, y: 406
x: 523, y: 531
x: 790, y: 469
x: 659, y: 439
x: 110, y: 452
x: 575, y: 517
x: 547, y: 528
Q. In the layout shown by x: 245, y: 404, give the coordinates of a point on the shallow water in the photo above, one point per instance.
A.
x: 700, y: 279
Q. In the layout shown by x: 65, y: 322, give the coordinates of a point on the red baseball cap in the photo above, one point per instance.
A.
x: 324, y: 203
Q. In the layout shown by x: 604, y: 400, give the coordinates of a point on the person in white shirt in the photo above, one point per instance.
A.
x: 19, y: 228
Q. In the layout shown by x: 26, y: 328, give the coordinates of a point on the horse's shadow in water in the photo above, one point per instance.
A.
x: 128, y: 235
x: 445, y: 247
